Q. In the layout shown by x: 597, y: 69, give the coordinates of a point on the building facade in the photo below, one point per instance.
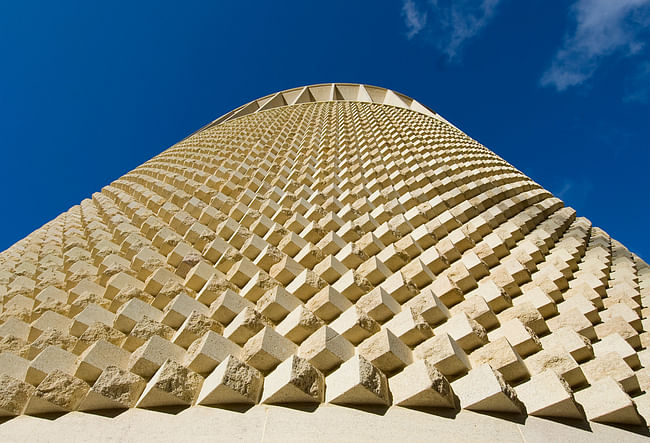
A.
x: 332, y: 262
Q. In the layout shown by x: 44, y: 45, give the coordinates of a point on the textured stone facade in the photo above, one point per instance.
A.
x: 335, y: 244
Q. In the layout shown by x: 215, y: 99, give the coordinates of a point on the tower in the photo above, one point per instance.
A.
x: 340, y: 250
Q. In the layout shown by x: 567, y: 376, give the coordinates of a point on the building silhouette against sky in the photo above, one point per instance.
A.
x: 340, y: 250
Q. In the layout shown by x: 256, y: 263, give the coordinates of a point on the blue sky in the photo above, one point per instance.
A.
x: 560, y: 89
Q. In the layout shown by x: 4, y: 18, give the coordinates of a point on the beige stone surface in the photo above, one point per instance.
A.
x: 357, y: 381
x: 294, y: 381
x: 484, y: 389
x: 350, y: 245
x: 421, y: 385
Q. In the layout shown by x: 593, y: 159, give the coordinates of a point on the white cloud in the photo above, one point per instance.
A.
x: 414, y: 19
x: 452, y: 22
x: 603, y: 28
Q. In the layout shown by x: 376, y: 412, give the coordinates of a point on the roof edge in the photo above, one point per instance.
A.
x: 325, y: 92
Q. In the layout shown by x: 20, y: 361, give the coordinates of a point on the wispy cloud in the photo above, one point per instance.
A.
x: 603, y: 28
x: 452, y: 22
x: 414, y: 19
x: 575, y: 191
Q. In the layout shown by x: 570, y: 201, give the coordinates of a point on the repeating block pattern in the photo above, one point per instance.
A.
x: 336, y: 243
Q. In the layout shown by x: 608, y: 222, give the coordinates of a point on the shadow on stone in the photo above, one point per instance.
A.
x: 235, y: 407
x: 371, y: 409
x: 514, y: 418
x: 109, y: 413
x: 50, y: 415
x: 305, y: 407
x: 440, y: 412
x: 171, y: 410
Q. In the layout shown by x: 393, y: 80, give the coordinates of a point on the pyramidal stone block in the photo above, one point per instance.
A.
x: 115, y: 388
x: 325, y: 349
x: 358, y: 382
x: 606, y: 402
x: 421, y: 385
x: 294, y: 381
x: 172, y: 385
x: 58, y: 392
x: 484, y: 389
x: 232, y: 382
x: 14, y: 395
x: 548, y: 395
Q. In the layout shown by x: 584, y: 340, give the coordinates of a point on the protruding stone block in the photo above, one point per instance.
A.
x: 16, y: 328
x: 293, y: 381
x: 429, y: 307
x: 98, y: 357
x: 149, y: 357
x: 611, y: 365
x: 330, y: 269
x: 180, y: 308
x: 446, y: 290
x: 619, y: 326
x: 386, y: 351
x: 232, y: 382
x: 172, y: 385
x: 617, y: 344
x: 355, y: 325
x: 484, y: 389
x: 410, y: 327
x: 445, y: 354
x: 120, y: 282
x: 143, y: 331
x: 276, y: 303
x: 357, y: 381
x: 575, y: 320
x: 477, y: 309
x: 558, y: 360
x: 352, y: 285
x: 326, y: 349
x: 58, y: 392
x: 132, y: 312
x: 399, y: 288
x: 199, y: 275
x: 379, y: 305
x: 91, y: 314
x: 13, y: 365
x: 257, y: 286
x: 51, y: 359
x: 328, y: 304
x: 523, y: 339
x: 114, y: 389
x: 227, y: 306
x: 577, y: 345
x: 267, y: 349
x: 501, y: 356
x: 14, y: 395
x: 247, y: 323
x: 548, y: 395
x: 49, y: 319
x: 299, y: 324
x: 468, y: 333
x: 205, y: 354
x: 606, y: 402
x: 195, y: 326
x: 421, y: 385
x: 529, y: 316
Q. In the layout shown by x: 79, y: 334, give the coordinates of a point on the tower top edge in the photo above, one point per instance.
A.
x: 327, y: 92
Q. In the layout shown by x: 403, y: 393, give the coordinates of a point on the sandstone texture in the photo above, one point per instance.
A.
x: 335, y: 244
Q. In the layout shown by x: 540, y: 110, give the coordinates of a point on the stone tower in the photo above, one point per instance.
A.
x: 339, y: 250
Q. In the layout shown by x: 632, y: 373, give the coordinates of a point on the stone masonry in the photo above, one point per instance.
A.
x: 336, y: 244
